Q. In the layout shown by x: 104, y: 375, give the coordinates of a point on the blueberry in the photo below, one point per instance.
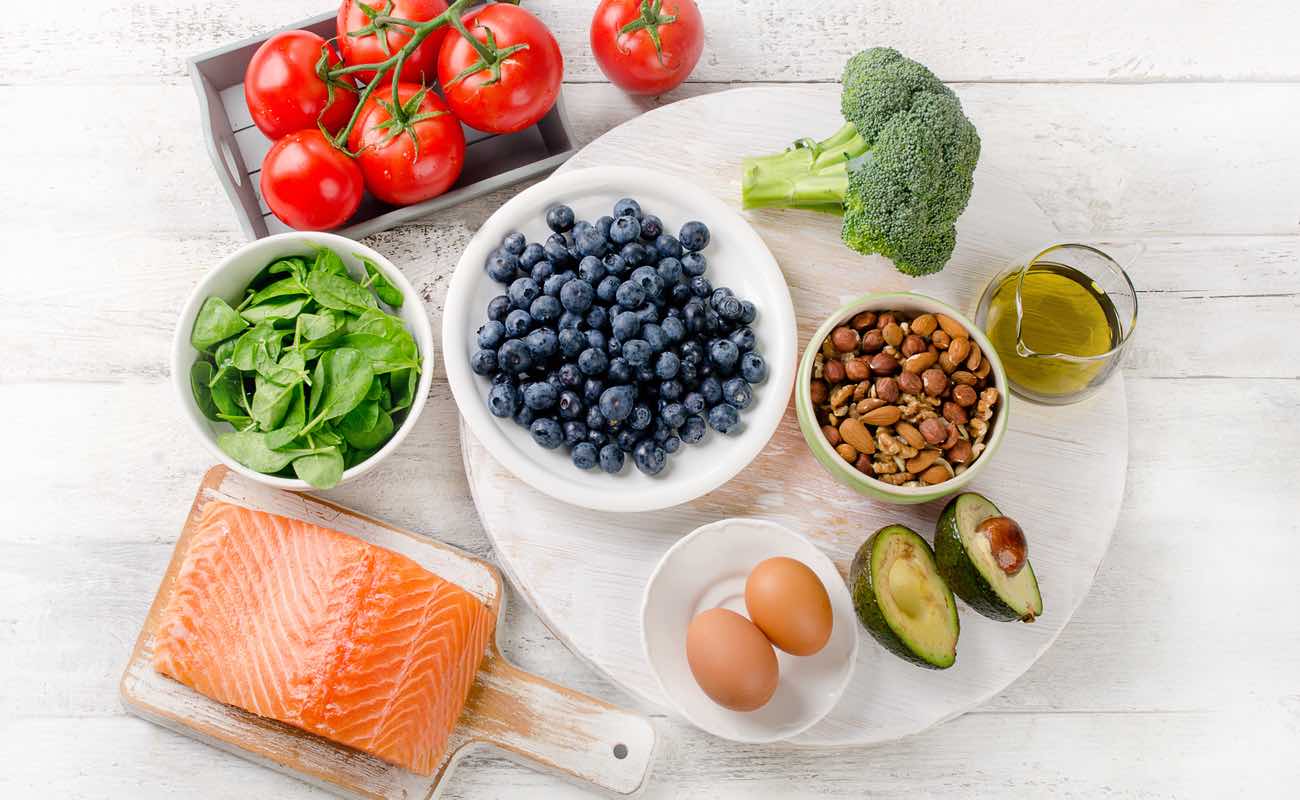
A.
x: 649, y: 281
x: 654, y: 335
x: 584, y: 455
x: 711, y: 388
x: 651, y: 227
x: 730, y: 309
x: 615, y: 265
x: 701, y: 287
x: 514, y: 243
x: 694, y: 403
x: 541, y: 271
x: 641, y: 417
x: 724, y: 354
x: 667, y: 246
x: 737, y: 392
x: 670, y: 271
x: 619, y: 370
x: 598, y: 438
x: 571, y: 343
x: 630, y: 295
x: 532, y: 255
x: 483, y: 362
x: 689, y: 375
x: 518, y: 322
x: 627, y: 439
x: 692, y: 352
x: 540, y: 396
x: 667, y: 366
x: 694, y: 235
x: 723, y: 418
x: 545, y: 309
x: 570, y: 376
x: 578, y: 227
x: 498, y: 307
x: 749, y: 312
x: 743, y: 338
x: 693, y: 430
x: 542, y: 343
x: 557, y: 252
x: 634, y: 254
x: 627, y: 207
x: 718, y: 294
x: 590, y: 243
x: 611, y: 459
x: 574, y: 432
x: 661, y: 434
x: 637, y: 352
x: 614, y: 348
x: 694, y: 264
x: 559, y: 218
x: 593, y: 362
x: 577, y: 296
x: 570, y: 405
x: 672, y: 444
x: 524, y: 416
x: 503, y: 399
x: 693, y: 316
x: 753, y: 368
x: 647, y: 313
x: 645, y: 375
x: 553, y: 284
x: 649, y: 457
x: 603, y: 225
x: 625, y: 229
x: 591, y: 390
x: 625, y: 325
x: 547, y: 433
x: 591, y: 270
x: 492, y: 334
x: 607, y: 289
x: 595, y: 420
x: 503, y: 377
x: 674, y: 330
x: 673, y: 415
x: 680, y: 295
x: 712, y: 322
x: 513, y: 356
x: 595, y: 339
x: 501, y: 267
x: 671, y: 390
x: 616, y: 403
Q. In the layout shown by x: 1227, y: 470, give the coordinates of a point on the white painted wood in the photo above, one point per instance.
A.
x: 1174, y: 679
x: 1060, y: 471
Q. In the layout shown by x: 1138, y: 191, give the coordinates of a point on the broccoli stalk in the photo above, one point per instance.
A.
x: 899, y: 171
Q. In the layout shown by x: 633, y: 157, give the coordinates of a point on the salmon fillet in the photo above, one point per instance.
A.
x: 322, y: 631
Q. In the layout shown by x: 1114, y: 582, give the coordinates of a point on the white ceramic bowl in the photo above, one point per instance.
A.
x: 737, y: 258
x: 707, y: 569
x: 228, y: 280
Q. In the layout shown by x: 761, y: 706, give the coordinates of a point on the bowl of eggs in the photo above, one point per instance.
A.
x: 750, y: 630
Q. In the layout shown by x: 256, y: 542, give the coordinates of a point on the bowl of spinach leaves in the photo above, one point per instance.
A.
x: 303, y: 359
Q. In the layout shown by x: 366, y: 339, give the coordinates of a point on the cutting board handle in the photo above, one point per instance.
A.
x: 563, y: 732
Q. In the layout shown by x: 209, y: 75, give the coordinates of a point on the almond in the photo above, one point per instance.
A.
x: 952, y: 327
x: 856, y: 434
x: 885, y: 415
x: 920, y: 362
x: 921, y: 461
x: 924, y: 325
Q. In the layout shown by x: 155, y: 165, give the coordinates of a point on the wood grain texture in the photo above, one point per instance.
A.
x: 1174, y: 679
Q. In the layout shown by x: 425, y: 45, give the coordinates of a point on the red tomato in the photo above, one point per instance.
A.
x: 519, y: 87
x: 310, y: 184
x: 283, y: 91
x: 420, y: 66
x: 407, y: 163
x: 647, y: 46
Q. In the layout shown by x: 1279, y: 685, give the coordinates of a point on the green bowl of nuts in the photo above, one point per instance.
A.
x: 901, y: 397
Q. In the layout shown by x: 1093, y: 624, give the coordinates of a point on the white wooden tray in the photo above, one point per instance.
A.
x: 1060, y: 470
x: 526, y: 718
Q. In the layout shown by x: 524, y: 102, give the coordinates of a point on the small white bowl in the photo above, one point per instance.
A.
x: 228, y: 280
x: 707, y: 569
x: 737, y: 258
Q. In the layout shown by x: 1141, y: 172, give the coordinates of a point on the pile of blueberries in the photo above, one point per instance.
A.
x: 609, y: 339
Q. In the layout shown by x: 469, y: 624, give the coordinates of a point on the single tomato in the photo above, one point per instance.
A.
x: 310, y: 184
x: 284, y: 92
x: 647, y: 46
x: 410, y: 152
x: 513, y: 82
x: 359, y: 36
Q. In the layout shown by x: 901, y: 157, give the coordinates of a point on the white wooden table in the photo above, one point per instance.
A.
x: 1177, y: 124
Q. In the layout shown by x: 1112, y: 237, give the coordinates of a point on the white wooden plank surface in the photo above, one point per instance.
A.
x: 1173, y: 122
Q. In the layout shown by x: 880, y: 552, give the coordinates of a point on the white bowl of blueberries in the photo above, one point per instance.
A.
x: 619, y: 339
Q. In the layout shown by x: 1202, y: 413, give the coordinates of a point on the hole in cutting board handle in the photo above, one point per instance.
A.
x: 620, y: 751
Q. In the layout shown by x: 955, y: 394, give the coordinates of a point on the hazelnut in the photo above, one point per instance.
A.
x: 934, y: 381
x: 856, y: 369
x: 832, y: 435
x: 844, y: 339
x: 910, y: 383
x: 818, y: 392
x: 1007, y: 543
x: 960, y: 452
x: 913, y: 344
x: 887, y: 389
x: 884, y: 364
x: 863, y: 464
x: 873, y: 341
x: 964, y: 395
x: 955, y: 413
x: 833, y: 371
x: 863, y: 320
x: 933, y: 430
x: 886, y: 319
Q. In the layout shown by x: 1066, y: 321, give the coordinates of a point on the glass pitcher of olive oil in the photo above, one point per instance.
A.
x: 1060, y: 322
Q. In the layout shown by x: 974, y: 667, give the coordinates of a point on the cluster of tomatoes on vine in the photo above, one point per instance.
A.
x: 379, y: 107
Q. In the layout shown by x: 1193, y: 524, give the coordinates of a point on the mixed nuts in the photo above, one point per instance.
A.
x: 905, y: 399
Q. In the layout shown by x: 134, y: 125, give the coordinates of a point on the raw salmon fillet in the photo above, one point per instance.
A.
x: 323, y: 631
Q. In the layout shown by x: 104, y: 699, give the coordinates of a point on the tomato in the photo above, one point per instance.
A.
x: 420, y: 66
x: 520, y: 83
x: 411, y: 153
x: 310, y: 184
x: 283, y: 91
x: 647, y: 46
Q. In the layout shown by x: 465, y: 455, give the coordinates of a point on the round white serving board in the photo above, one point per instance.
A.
x: 1060, y: 471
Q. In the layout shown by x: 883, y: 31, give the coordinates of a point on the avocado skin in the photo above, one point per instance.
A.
x: 863, y: 591
x: 959, y: 572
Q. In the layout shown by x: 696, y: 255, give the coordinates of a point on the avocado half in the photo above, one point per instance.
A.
x: 901, y: 599
x: 967, y: 564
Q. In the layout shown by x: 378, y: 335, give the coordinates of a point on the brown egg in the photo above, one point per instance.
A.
x: 732, y: 661
x: 789, y: 604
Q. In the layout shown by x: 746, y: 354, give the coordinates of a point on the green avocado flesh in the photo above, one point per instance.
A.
x: 902, y: 601
x: 968, y: 565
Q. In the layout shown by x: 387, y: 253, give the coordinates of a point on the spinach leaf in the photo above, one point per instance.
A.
x: 200, y: 375
x: 286, y: 287
x: 367, y: 437
x: 340, y: 382
x: 249, y: 448
x: 386, y: 355
x: 385, y: 326
x: 328, y: 261
x: 321, y: 469
x: 294, y: 265
x: 228, y: 393
x: 262, y: 343
x: 404, y: 384
x: 361, y: 418
x: 270, y: 403
x: 291, y: 425
x: 216, y: 322
x: 276, y: 309
x: 375, y: 279
x: 339, y: 292
x: 291, y: 369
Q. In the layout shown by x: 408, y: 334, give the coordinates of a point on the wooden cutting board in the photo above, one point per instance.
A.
x: 523, y: 716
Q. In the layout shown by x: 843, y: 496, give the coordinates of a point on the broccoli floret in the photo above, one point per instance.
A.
x: 899, y: 170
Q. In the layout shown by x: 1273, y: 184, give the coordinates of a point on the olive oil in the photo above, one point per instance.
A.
x: 1067, y: 326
